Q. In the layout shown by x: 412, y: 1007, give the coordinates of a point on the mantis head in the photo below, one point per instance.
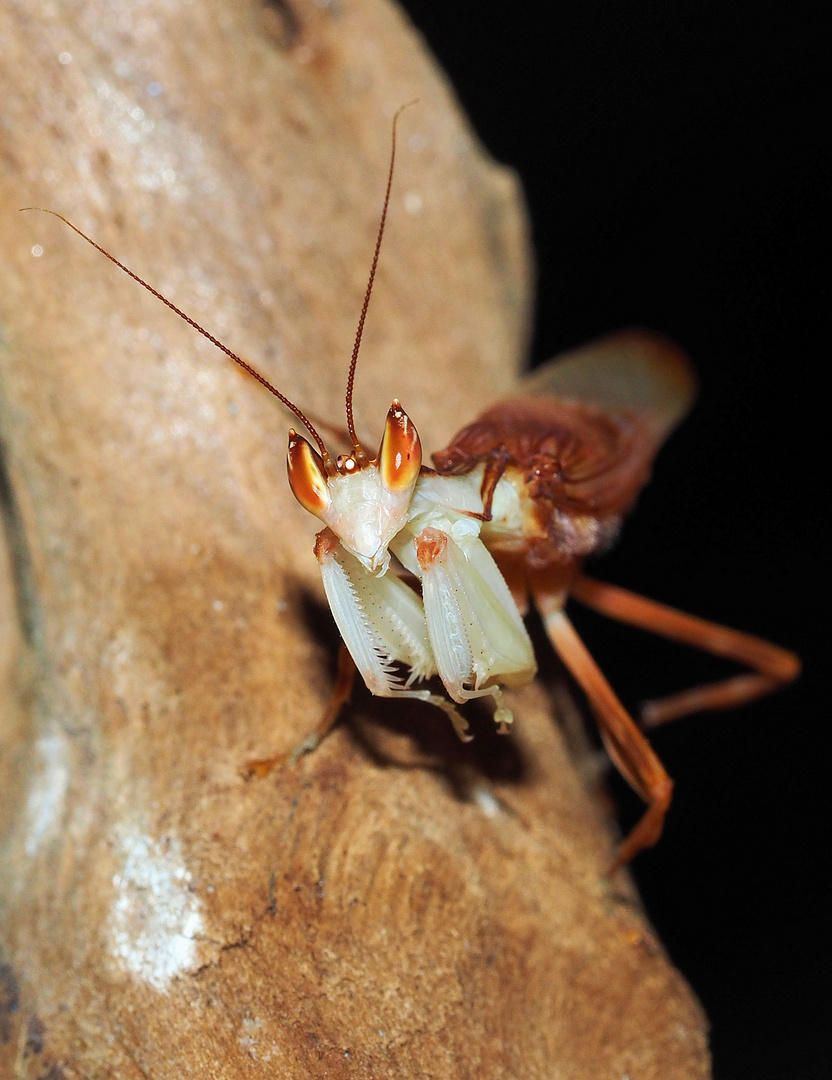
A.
x: 364, y: 501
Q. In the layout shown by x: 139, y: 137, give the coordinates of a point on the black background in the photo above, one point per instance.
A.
x: 672, y: 157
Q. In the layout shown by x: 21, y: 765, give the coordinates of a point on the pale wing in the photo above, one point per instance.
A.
x: 631, y: 371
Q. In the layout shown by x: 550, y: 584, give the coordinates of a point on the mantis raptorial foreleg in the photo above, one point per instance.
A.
x: 382, y: 623
x: 465, y: 627
x: 476, y: 632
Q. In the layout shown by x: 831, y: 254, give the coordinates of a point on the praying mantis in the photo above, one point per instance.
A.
x: 429, y: 571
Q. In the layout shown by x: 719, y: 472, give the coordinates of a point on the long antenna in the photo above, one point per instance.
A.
x: 366, y: 304
x: 223, y: 348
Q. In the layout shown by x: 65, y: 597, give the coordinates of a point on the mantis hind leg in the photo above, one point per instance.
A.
x: 341, y: 694
x: 626, y: 744
x: 772, y: 666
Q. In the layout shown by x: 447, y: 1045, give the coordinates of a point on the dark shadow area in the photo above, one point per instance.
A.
x: 11, y: 523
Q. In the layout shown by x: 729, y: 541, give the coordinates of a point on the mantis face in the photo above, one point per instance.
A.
x: 364, y: 502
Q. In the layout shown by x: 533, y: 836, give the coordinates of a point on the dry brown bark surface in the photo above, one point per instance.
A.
x: 395, y: 904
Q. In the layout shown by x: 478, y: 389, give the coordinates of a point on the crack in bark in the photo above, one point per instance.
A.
x: 243, y: 941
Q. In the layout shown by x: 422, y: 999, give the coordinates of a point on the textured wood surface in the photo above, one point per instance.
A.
x: 396, y: 904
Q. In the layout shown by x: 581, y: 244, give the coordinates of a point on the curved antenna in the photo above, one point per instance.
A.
x: 351, y: 377
x: 223, y: 348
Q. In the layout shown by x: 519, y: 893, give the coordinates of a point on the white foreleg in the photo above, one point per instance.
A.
x: 475, y: 630
x: 382, y: 623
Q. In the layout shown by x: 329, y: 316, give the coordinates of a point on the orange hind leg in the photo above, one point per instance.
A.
x: 625, y: 742
x: 772, y: 666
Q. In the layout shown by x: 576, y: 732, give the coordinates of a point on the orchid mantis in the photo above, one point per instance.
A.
x: 429, y: 571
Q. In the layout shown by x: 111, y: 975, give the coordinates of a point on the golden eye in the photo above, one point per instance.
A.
x: 400, y: 453
x: 307, y: 476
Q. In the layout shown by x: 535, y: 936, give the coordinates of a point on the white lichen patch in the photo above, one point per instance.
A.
x: 155, y: 918
x: 257, y: 1042
x: 47, y: 793
x: 250, y: 1036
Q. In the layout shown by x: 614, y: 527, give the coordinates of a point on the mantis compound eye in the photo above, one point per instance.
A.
x: 307, y: 476
x: 400, y: 453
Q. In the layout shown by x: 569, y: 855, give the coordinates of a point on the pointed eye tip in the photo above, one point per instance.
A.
x: 400, y: 453
x: 307, y: 476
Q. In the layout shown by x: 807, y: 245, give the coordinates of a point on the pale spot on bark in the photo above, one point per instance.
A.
x: 155, y: 918
x: 47, y: 794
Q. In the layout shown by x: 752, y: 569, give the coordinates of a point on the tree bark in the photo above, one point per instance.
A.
x: 394, y: 904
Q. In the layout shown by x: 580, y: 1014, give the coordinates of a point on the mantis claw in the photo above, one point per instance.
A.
x: 309, y: 745
x: 503, y: 718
